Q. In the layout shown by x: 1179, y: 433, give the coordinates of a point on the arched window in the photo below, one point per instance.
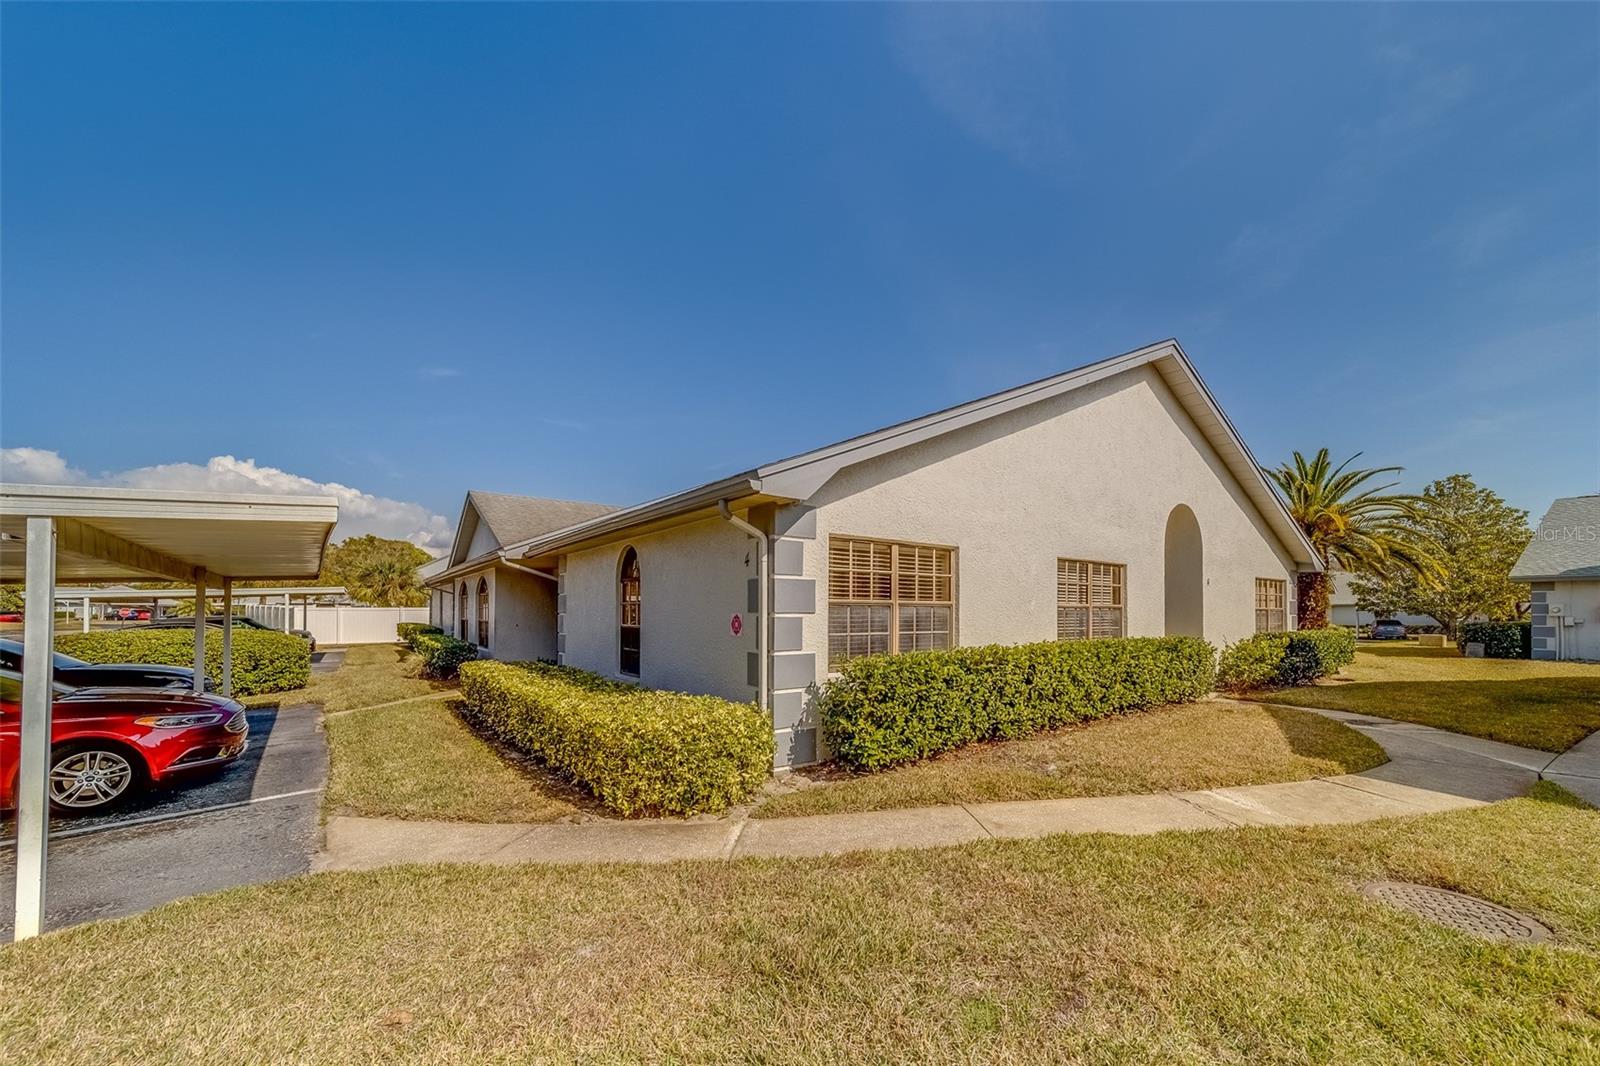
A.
x: 461, y: 612
x: 628, y: 615
x: 483, y: 612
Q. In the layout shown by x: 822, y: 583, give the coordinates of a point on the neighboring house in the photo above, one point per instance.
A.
x: 486, y: 596
x: 1114, y: 499
x: 1562, y: 565
x: 1342, y: 609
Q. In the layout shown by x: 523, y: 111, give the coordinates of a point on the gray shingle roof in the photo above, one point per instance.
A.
x: 1566, y: 546
x: 514, y: 518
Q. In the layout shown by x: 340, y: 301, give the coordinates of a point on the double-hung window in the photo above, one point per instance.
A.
x: 1090, y: 599
x: 1272, y: 599
x: 886, y: 597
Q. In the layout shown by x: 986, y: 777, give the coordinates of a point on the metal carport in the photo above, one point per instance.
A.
x: 78, y: 533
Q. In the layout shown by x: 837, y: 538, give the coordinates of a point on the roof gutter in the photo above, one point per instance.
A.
x: 745, y: 484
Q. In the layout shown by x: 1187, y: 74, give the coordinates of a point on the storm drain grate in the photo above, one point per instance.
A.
x: 1466, y: 913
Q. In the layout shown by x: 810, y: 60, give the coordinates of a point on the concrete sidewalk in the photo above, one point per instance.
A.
x: 1430, y: 770
x: 1578, y: 769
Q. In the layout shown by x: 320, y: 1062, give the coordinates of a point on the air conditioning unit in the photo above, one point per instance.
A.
x: 1555, y: 610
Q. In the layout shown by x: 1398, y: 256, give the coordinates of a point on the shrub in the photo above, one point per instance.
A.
x: 1252, y: 662
x: 890, y: 709
x: 1500, y: 640
x: 1277, y: 659
x: 406, y: 630
x: 638, y: 750
x: 1334, y: 647
x: 263, y: 660
x: 442, y: 654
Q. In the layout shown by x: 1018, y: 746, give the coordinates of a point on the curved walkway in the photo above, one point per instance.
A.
x: 1429, y: 770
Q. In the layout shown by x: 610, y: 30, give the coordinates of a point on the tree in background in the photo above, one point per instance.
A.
x: 1478, y: 537
x: 1352, y: 527
x: 377, y: 571
x: 10, y: 597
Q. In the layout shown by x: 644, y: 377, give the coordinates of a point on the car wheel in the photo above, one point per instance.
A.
x: 88, y: 777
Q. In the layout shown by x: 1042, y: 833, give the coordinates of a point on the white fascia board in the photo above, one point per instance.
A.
x: 459, y: 542
x: 800, y: 476
x: 736, y: 487
x: 94, y: 501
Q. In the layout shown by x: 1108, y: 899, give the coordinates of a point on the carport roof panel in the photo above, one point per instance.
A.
x: 109, y: 534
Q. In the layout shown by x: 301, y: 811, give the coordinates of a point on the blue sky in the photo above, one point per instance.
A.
x: 416, y: 249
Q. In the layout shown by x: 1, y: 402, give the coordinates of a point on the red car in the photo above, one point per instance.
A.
x: 109, y: 744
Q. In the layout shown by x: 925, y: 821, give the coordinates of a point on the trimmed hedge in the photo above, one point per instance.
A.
x: 1500, y: 640
x: 263, y: 660
x: 889, y: 709
x: 442, y: 654
x: 406, y: 630
x: 1269, y: 660
x: 638, y: 750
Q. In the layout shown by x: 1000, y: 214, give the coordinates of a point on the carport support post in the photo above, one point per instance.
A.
x: 86, y: 614
x: 199, y: 630
x: 288, y: 614
x: 227, y: 636
x: 33, y: 799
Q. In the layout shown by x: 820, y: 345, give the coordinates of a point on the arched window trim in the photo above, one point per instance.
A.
x: 630, y: 612
x: 483, y: 612
x: 461, y: 612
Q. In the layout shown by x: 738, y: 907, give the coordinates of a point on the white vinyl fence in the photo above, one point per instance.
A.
x: 338, y: 625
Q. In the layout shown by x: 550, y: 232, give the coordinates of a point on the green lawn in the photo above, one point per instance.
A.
x: 419, y: 760
x: 1238, y: 946
x: 1545, y: 705
x: 371, y: 673
x: 416, y: 759
x: 1212, y: 744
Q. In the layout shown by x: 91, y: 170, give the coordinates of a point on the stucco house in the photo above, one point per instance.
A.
x: 1113, y: 499
x: 482, y: 593
x: 1562, y: 566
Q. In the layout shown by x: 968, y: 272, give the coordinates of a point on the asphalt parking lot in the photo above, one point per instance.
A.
x: 257, y: 820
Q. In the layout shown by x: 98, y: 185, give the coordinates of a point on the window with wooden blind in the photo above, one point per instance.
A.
x: 886, y: 597
x: 1090, y: 599
x: 461, y: 611
x: 1272, y: 603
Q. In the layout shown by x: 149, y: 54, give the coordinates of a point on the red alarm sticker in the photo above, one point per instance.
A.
x: 736, y: 626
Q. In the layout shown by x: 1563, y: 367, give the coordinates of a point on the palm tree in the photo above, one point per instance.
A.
x: 388, y: 583
x: 1350, y: 526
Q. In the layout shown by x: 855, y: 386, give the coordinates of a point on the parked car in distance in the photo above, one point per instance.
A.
x: 215, y: 622
x: 1387, y: 629
x: 10, y: 616
x: 107, y: 745
x: 75, y: 673
x: 131, y: 614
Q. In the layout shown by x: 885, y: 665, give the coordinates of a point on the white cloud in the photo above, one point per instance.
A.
x: 1420, y: 98
x: 359, y: 512
x: 1479, y: 238
x: 992, y: 69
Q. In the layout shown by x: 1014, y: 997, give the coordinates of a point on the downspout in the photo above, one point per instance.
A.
x: 761, y: 598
